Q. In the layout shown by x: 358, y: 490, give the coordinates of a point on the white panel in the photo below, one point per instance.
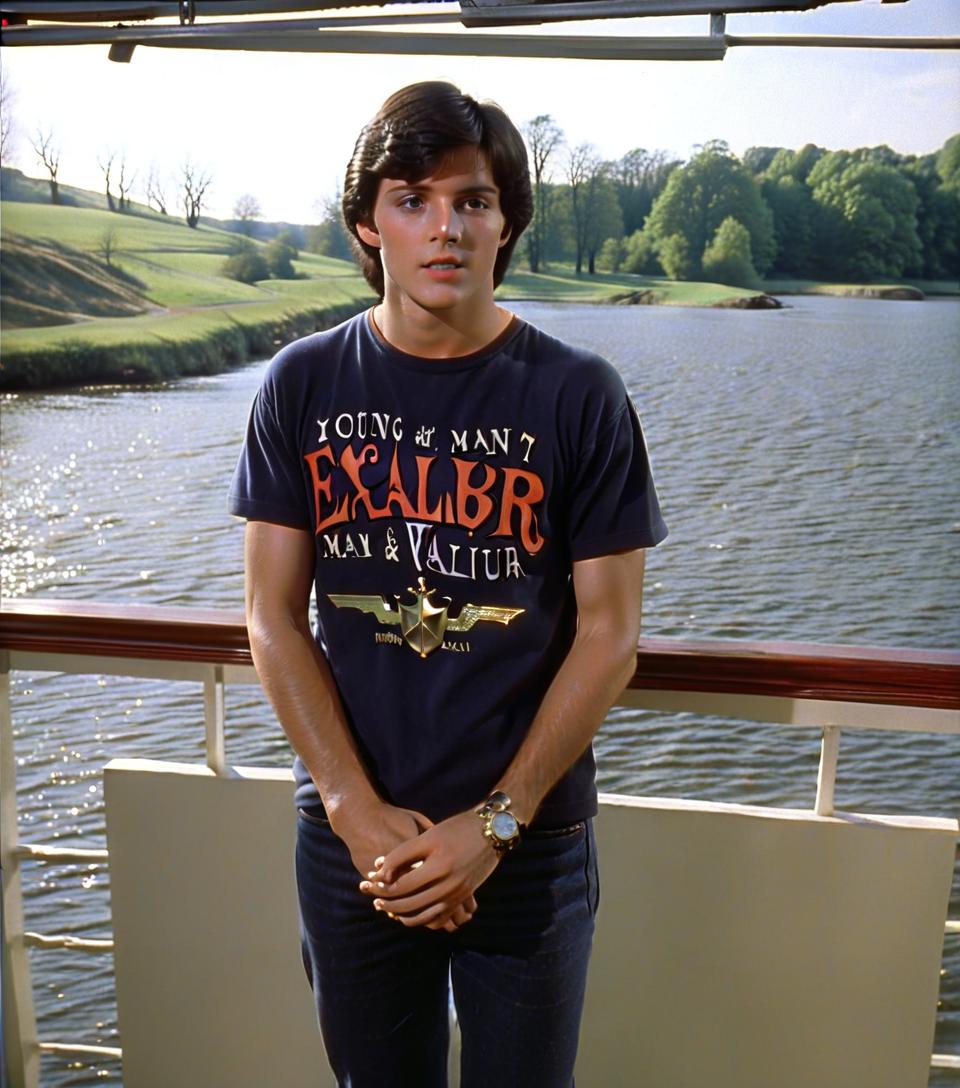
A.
x: 210, y: 986
x: 745, y: 948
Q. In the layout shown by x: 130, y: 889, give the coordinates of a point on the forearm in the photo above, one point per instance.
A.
x: 297, y: 680
x: 596, y: 670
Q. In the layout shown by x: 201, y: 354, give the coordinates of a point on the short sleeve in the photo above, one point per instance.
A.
x: 268, y: 484
x: 613, y: 504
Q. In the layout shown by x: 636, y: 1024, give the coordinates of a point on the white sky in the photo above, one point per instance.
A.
x: 282, y: 126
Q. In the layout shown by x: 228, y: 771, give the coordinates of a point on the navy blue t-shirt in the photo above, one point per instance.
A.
x: 448, y: 499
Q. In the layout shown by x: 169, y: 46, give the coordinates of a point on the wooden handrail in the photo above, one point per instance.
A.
x: 791, y: 670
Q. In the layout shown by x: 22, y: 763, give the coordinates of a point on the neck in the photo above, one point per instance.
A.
x: 443, y: 334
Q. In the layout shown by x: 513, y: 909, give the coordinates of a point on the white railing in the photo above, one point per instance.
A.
x: 827, y: 688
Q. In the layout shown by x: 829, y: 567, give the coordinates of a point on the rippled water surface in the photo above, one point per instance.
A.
x: 807, y: 461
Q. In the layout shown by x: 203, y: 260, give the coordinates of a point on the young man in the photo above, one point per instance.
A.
x: 469, y: 499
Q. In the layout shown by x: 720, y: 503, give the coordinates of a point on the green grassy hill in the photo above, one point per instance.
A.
x: 159, y: 307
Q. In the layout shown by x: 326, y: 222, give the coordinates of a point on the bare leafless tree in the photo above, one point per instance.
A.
x: 585, y: 170
x: 156, y: 197
x: 49, y: 154
x: 105, y: 162
x: 125, y: 183
x: 108, y: 245
x: 543, y: 136
x: 8, y: 128
x: 194, y: 184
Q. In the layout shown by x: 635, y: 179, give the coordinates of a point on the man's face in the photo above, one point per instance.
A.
x: 439, y: 237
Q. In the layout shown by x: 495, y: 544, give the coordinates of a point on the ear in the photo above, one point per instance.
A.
x: 368, y: 234
x: 505, y: 235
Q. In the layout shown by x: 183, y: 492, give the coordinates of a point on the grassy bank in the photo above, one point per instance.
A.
x: 59, y: 290
x: 561, y: 284
x: 899, y: 289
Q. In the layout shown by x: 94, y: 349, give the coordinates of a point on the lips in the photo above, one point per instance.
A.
x: 443, y: 263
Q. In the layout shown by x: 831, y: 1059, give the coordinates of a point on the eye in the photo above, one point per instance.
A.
x: 411, y: 201
x: 476, y: 203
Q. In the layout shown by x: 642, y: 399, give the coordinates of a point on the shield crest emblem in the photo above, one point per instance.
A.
x: 421, y: 622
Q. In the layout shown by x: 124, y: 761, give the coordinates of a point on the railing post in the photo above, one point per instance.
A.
x: 21, y: 1052
x: 827, y: 774
x: 213, y: 719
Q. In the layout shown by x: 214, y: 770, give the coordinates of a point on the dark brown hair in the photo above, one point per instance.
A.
x: 410, y: 135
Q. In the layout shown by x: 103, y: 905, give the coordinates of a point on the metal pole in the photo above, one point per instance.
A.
x: 21, y: 1051
x: 213, y: 719
x: 827, y: 774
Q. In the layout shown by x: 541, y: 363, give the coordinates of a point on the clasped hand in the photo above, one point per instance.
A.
x: 430, y: 880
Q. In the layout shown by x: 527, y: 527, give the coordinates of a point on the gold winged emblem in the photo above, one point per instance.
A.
x: 423, y: 623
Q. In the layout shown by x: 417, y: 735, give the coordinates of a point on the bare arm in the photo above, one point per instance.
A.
x: 456, y: 857
x: 297, y: 679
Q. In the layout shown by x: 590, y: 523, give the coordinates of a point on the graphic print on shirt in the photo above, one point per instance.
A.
x: 461, y: 503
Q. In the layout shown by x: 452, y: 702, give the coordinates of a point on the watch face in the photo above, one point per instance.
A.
x: 504, y: 826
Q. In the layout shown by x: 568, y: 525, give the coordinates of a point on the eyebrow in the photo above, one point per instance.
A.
x: 408, y: 186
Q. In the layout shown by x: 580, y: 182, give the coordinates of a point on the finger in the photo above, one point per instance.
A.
x: 441, y: 894
x: 399, y: 860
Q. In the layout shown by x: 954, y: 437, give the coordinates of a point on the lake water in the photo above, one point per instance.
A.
x: 807, y: 462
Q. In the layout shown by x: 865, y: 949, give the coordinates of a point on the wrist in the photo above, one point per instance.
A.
x: 346, y: 811
x: 500, y: 824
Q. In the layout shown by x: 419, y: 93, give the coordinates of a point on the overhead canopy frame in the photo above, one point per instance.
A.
x: 79, y: 22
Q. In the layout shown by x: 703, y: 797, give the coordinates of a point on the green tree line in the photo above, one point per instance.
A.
x: 811, y: 213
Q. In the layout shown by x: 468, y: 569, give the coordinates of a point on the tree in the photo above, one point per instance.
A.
x: 280, y: 256
x: 640, y: 255
x: 697, y: 199
x: 125, y: 183
x: 794, y: 224
x: 247, y: 210
x: 8, y: 128
x: 544, y: 137
x: 877, y: 206
x: 727, y: 258
x: 48, y: 154
x: 938, y: 221
x: 757, y: 159
x: 593, y: 204
x: 611, y: 255
x: 329, y: 236
x: 639, y: 177
x: 108, y: 246
x: 676, y: 258
x: 105, y: 162
x: 793, y: 164
x: 155, y: 191
x: 948, y: 163
x: 604, y: 221
x: 194, y: 184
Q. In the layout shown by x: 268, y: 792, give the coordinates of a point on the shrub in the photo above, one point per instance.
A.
x: 674, y: 254
x: 279, y: 258
x: 727, y: 258
x: 247, y: 266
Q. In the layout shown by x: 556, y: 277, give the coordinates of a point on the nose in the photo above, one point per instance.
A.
x: 448, y: 226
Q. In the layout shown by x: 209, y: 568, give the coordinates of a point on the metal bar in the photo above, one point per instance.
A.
x: 22, y: 1061
x: 945, y: 1061
x: 63, y: 940
x: 39, y: 852
x: 951, y: 926
x: 827, y: 773
x: 683, y: 47
x: 214, y: 719
x: 80, y: 1048
x: 829, y: 41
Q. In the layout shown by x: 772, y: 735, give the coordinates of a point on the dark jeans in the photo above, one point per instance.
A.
x: 517, y: 969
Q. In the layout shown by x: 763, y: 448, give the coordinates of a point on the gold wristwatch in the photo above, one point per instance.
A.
x: 500, y: 825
